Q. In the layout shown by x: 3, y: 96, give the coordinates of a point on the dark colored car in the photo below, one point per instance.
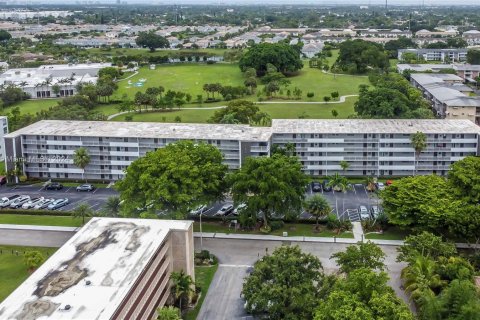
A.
x: 3, y: 180
x: 54, y: 186
x: 325, y: 186
x: 316, y: 186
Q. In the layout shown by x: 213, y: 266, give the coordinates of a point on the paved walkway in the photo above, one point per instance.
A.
x: 357, y: 230
x: 342, y: 99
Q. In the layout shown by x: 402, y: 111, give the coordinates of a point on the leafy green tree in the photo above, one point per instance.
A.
x: 465, y: 223
x: 362, y: 255
x: 421, y: 278
x: 174, y: 178
x: 473, y: 56
x: 241, y: 110
x: 56, y: 89
x: 151, y: 40
x: 182, y: 287
x: 33, y: 259
x: 464, y: 179
x: 334, y: 113
x: 392, y: 46
x: 168, y: 313
x: 357, y: 56
x: 284, y: 285
x: 460, y: 300
x: 4, y: 35
x: 284, y: 57
x: 111, y: 72
x: 344, y: 165
x: 82, y: 211
x: 419, y: 202
x: 81, y: 158
x: 327, y: 99
x: 425, y: 244
x: 335, y: 95
x: 317, y: 206
x: 112, y: 207
x: 269, y: 185
x: 419, y: 143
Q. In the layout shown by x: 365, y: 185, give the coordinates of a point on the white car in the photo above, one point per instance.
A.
x: 199, y: 210
x: 363, y: 211
x: 43, y: 204
x: 375, y: 212
x: 6, y: 201
x: 239, y: 208
x: 226, y: 209
x: 32, y: 203
x: 380, y: 186
x: 17, y: 203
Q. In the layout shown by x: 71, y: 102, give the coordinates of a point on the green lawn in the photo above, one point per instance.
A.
x: 203, y: 278
x: 392, y: 233
x: 32, y: 106
x: 40, y: 220
x: 12, y: 267
x: 293, y: 229
x: 188, y: 78
x: 2, y: 166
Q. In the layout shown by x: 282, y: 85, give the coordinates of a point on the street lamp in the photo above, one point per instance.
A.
x: 201, y: 234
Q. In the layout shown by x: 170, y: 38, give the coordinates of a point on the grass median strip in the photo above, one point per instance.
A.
x: 203, y: 279
x: 38, y: 220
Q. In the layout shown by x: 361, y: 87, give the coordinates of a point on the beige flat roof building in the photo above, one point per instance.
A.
x: 112, y: 268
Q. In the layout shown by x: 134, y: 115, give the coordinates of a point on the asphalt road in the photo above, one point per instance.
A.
x: 94, y: 199
x: 223, y: 299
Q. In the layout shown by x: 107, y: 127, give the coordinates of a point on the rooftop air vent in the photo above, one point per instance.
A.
x: 67, y: 307
x: 88, y: 282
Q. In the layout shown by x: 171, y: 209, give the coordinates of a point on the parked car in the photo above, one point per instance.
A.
x: 3, y: 180
x: 5, y: 202
x: 226, y: 209
x: 58, y: 204
x: 199, y: 210
x: 375, y: 212
x: 316, y: 186
x: 325, y: 186
x: 380, y: 186
x: 18, y: 202
x: 54, y: 186
x: 43, y: 204
x: 364, y: 215
x: 238, y: 209
x: 86, y: 187
x: 31, y: 203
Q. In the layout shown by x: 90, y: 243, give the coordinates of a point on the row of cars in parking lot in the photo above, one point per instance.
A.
x: 40, y: 203
x: 365, y: 214
x: 326, y: 187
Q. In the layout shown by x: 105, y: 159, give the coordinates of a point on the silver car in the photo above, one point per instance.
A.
x: 43, y: 204
x: 31, y: 203
x: 17, y: 203
x: 364, y: 215
x: 6, y: 201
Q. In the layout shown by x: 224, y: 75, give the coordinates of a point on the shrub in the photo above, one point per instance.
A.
x: 276, y: 224
x: 310, y: 95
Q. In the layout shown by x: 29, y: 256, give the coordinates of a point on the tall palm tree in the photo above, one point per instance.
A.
x: 338, y: 183
x: 318, y: 207
x: 420, y: 278
x: 112, y: 207
x: 82, y: 211
x: 81, y: 159
x: 419, y: 143
x: 182, y: 286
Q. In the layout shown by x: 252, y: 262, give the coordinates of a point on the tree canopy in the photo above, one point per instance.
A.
x: 473, y: 56
x: 174, y: 178
x: 464, y: 179
x: 357, y: 56
x: 151, y: 40
x: 362, y: 255
x: 239, y: 111
x: 269, y: 185
x: 284, y: 57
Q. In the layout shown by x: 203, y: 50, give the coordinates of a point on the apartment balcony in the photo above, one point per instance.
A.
x: 64, y: 143
x: 124, y: 144
x: 260, y: 149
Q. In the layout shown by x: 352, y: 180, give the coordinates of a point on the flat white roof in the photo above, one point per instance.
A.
x: 352, y: 126
x: 146, y: 130
x: 110, y: 253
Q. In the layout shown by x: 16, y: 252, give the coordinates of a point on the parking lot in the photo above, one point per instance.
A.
x: 94, y: 199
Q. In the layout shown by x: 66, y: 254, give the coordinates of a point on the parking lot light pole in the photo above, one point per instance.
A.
x: 201, y: 234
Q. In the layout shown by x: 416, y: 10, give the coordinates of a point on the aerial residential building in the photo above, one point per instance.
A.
x: 436, y: 34
x: 468, y: 72
x: 39, y: 82
x: 390, y: 34
x: 450, y: 98
x: 110, y: 269
x: 451, y: 55
x: 3, y: 132
x: 377, y: 147
x: 472, y: 37
x: 373, y: 147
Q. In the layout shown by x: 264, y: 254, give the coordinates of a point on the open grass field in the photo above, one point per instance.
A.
x: 203, y: 278
x: 188, y: 78
x: 12, y: 268
x: 32, y: 106
x: 40, y: 220
x: 392, y: 233
x: 276, y: 111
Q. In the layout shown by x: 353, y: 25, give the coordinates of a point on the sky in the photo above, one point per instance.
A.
x: 319, y: 2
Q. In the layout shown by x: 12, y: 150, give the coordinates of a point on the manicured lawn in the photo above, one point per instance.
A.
x: 32, y: 106
x: 188, y: 78
x: 393, y: 233
x: 276, y: 111
x: 62, y: 221
x: 293, y: 229
x: 203, y: 278
x: 12, y: 267
x: 2, y: 166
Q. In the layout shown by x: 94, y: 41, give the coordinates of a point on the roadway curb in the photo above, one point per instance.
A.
x: 38, y: 228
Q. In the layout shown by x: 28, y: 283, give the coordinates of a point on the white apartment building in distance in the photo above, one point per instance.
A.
x: 3, y: 132
x: 39, y: 82
x: 372, y: 147
x: 111, y: 269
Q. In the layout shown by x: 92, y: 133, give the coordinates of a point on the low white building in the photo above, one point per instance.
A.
x: 39, y: 82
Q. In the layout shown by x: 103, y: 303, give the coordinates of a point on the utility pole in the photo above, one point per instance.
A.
x: 386, y: 5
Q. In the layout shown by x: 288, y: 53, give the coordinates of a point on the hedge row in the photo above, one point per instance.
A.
x: 36, y: 212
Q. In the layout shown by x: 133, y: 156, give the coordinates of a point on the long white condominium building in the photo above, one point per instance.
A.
x: 371, y: 147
